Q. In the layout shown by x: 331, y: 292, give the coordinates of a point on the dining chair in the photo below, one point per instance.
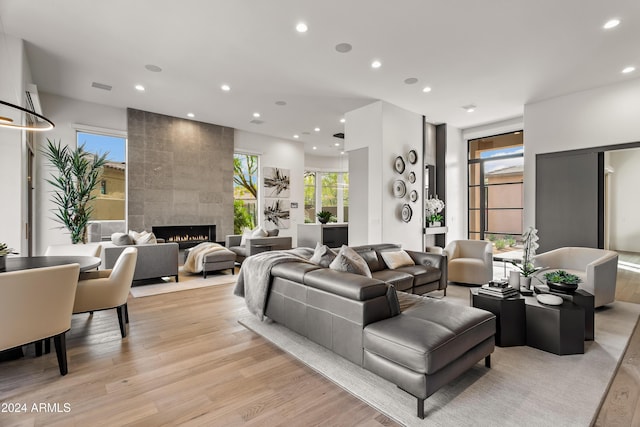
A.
x: 35, y: 305
x: 80, y: 249
x: 107, y: 289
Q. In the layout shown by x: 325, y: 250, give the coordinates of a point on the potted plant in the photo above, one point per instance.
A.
x: 433, y: 207
x: 526, y: 268
x: 561, y: 280
x: 4, y: 251
x: 324, y: 216
x: 77, y: 176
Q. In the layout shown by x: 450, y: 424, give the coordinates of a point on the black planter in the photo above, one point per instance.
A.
x: 562, y: 287
x: 323, y: 220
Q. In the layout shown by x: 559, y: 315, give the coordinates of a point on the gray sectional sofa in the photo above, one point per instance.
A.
x: 420, y: 349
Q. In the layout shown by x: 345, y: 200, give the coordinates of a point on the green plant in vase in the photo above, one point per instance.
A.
x: 530, y: 245
x: 324, y: 216
x: 4, y: 251
x: 77, y: 176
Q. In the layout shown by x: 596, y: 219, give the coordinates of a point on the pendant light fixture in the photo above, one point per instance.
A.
x: 34, y: 121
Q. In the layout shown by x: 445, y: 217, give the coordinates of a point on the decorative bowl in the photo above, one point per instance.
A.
x: 562, y: 287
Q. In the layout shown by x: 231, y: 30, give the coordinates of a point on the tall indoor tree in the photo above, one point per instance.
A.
x: 78, y: 173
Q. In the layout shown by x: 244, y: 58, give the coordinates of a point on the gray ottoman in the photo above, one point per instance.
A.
x: 216, y: 261
x: 426, y: 347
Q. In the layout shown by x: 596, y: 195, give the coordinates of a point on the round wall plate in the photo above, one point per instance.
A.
x: 399, y: 164
x: 406, y: 213
x: 399, y: 188
x: 412, y: 157
x: 412, y: 177
x: 413, y: 196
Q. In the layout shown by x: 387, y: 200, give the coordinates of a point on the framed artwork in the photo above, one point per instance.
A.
x: 276, y: 182
x: 277, y: 212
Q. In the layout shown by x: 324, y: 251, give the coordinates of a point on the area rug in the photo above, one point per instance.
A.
x: 182, y: 285
x: 524, y: 387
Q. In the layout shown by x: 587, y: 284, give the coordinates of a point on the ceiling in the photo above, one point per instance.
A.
x: 495, y: 54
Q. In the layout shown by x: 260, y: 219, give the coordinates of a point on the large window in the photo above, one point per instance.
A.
x: 245, y: 192
x: 110, y: 195
x: 496, y: 202
x: 332, y: 195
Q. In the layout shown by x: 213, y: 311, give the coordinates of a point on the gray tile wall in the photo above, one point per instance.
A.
x: 180, y: 172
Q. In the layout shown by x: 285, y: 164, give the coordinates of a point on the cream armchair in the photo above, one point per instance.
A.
x: 35, y: 305
x: 88, y: 249
x: 470, y: 261
x: 107, y: 289
x: 598, y: 269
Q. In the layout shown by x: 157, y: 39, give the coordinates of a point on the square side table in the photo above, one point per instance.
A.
x: 510, y: 317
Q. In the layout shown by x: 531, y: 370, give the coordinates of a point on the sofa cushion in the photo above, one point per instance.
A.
x: 294, y: 271
x: 422, y: 274
x: 349, y: 261
x: 429, y: 336
x: 396, y: 259
x: 121, y: 239
x: 322, y: 255
x: 401, y: 280
x: 352, y: 286
x: 373, y: 260
x: 239, y: 250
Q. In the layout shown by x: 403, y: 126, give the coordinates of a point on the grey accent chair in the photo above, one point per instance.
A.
x: 107, y: 289
x: 470, y: 261
x: 36, y: 305
x: 597, y: 268
x: 255, y: 245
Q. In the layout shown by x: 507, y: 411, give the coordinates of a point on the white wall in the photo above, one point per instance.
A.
x: 386, y: 131
x: 14, y: 73
x: 282, y: 153
x: 592, y: 118
x: 624, y: 205
x: 456, y: 185
x: 64, y: 112
x: 338, y: 163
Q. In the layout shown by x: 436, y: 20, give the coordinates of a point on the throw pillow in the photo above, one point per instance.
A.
x: 147, y: 238
x: 121, y: 239
x: 322, y: 256
x: 273, y: 233
x: 349, y: 261
x: 259, y: 232
x: 246, y: 235
x: 396, y: 259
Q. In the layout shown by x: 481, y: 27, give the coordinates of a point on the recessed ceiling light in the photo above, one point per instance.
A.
x: 343, y: 120
x: 191, y: 115
x: 301, y: 27
x: 342, y: 152
x: 337, y: 144
x: 225, y: 88
x: 343, y: 47
x: 296, y: 136
x: 469, y: 108
x: 140, y: 88
x: 256, y: 115
x: 281, y: 103
x: 426, y: 89
x: 153, y: 68
x: 317, y: 129
x: 612, y: 23
x: 315, y: 148
x: 628, y: 70
x: 376, y: 64
x: 410, y: 81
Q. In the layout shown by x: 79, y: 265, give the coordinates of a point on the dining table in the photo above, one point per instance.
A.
x: 24, y: 263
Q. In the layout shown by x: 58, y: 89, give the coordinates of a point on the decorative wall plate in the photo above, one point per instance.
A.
x: 412, y: 177
x: 399, y: 164
x: 406, y: 213
x: 399, y: 188
x: 413, y: 196
x: 412, y: 157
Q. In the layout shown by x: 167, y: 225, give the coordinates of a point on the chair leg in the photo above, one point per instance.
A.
x: 177, y: 278
x: 38, y: 345
x: 60, y: 342
x: 487, y: 361
x: 126, y: 313
x: 421, y: 408
x: 233, y: 270
x: 47, y: 345
x: 121, y: 321
x: 204, y: 273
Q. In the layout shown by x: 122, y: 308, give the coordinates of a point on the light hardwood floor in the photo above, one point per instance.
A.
x: 187, y: 361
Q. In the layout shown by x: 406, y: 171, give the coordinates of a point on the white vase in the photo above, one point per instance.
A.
x: 435, y: 224
x: 514, y: 279
x: 525, y: 282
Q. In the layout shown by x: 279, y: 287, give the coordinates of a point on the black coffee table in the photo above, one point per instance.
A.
x: 510, y: 317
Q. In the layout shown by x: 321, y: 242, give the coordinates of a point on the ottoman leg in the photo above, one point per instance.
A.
x: 487, y: 361
x: 421, y: 408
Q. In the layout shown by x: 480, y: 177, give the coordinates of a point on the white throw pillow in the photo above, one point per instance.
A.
x: 121, y: 239
x: 259, y: 232
x: 322, y: 256
x: 350, y: 261
x: 396, y: 259
x: 142, y: 238
x: 246, y: 235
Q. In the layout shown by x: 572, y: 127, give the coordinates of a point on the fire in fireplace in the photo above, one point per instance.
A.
x: 187, y: 236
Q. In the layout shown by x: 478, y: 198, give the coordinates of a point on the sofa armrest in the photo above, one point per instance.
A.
x: 434, y: 260
x: 256, y: 245
x: 232, y: 240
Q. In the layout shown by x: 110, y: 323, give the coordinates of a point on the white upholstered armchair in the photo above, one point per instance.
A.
x: 470, y: 261
x: 106, y: 289
x: 598, y: 269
